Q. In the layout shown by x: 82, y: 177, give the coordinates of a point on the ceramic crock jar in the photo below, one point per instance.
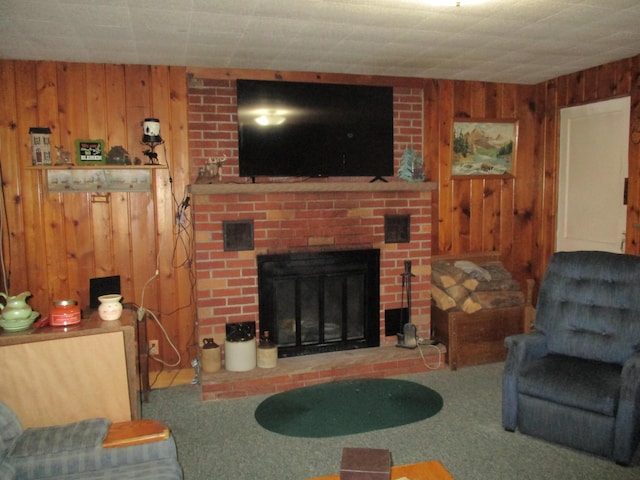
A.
x: 110, y: 307
x: 210, y: 355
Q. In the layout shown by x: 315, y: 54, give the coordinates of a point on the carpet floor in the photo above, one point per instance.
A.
x: 347, y: 407
x: 222, y: 440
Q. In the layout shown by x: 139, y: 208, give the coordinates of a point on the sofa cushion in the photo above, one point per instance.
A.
x: 166, y: 469
x: 91, y: 459
x: 10, y: 429
x: 7, y: 472
x: 573, y: 382
x: 62, y: 438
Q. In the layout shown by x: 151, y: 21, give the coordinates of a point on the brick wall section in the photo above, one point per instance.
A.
x: 307, y: 221
x: 213, y: 127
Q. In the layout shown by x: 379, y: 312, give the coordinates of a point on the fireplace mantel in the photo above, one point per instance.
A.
x: 285, y: 187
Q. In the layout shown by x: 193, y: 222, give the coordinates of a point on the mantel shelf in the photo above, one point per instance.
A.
x: 285, y: 187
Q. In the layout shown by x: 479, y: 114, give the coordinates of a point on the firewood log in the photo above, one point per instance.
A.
x: 446, y: 275
x: 470, y: 305
x: 498, y: 299
x: 497, y: 270
x: 458, y: 293
x: 442, y: 300
x: 473, y: 270
x: 470, y: 284
x: 506, y: 284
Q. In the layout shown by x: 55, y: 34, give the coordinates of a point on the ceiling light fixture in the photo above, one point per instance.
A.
x: 454, y: 3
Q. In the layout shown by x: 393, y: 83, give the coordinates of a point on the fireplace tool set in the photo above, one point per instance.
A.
x: 408, y: 337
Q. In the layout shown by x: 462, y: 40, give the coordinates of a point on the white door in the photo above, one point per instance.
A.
x: 594, y: 145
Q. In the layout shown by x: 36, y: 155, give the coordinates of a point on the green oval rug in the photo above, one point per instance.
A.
x: 347, y: 407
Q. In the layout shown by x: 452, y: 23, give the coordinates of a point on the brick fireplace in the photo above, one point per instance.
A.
x: 312, y: 216
x: 306, y: 217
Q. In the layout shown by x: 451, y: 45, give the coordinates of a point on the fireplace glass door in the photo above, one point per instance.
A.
x: 318, y: 302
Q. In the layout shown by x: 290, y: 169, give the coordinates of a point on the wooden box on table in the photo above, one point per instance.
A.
x: 365, y: 464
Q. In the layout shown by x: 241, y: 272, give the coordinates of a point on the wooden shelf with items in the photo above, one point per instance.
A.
x: 98, y: 178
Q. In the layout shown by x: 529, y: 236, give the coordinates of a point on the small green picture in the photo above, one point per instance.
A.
x: 90, y: 152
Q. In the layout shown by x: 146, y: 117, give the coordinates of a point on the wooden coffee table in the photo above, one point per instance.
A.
x: 433, y: 470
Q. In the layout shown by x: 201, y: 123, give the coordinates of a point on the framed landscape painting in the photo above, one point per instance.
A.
x: 484, y: 147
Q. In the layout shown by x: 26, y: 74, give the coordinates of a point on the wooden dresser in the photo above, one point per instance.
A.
x: 57, y: 375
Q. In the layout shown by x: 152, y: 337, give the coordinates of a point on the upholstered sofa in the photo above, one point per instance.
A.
x: 575, y: 380
x: 77, y: 451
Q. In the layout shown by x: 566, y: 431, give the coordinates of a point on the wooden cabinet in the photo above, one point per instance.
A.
x: 477, y: 338
x: 57, y: 375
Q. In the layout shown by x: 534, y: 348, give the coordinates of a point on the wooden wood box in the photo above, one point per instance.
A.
x: 476, y: 338
x: 58, y: 375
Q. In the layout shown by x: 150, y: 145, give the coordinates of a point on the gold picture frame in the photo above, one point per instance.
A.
x: 484, y: 147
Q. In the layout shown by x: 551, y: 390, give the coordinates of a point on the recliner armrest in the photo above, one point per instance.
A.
x: 627, y: 430
x: 631, y: 379
x: 525, y: 347
x: 522, y: 349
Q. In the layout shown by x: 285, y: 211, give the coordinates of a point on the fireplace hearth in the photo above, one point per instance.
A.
x: 317, y: 302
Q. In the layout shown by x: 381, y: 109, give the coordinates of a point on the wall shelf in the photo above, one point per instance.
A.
x: 98, y: 179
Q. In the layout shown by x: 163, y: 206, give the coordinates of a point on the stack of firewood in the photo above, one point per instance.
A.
x: 469, y: 287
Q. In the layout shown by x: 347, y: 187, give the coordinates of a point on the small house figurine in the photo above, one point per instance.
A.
x: 118, y: 156
x: 40, y: 146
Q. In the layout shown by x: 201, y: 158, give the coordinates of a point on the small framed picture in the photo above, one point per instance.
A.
x: 90, y: 152
x: 484, y: 147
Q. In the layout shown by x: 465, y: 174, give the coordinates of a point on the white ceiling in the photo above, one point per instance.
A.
x: 514, y: 41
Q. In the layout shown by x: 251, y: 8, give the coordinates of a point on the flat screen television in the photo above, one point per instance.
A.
x: 293, y: 129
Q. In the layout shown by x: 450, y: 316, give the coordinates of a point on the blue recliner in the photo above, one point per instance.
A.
x: 575, y: 380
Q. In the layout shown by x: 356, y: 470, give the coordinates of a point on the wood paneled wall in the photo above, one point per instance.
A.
x: 612, y: 80
x: 54, y: 243
x: 484, y: 213
x: 517, y: 216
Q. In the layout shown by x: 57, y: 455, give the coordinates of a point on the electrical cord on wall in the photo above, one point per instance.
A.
x: 171, y: 344
x: 3, y: 222
x: 182, y: 238
x: 182, y: 257
x: 427, y: 343
x: 142, y: 311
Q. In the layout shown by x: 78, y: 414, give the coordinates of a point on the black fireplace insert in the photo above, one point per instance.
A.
x: 320, y: 301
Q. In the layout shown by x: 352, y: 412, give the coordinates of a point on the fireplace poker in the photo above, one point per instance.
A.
x: 408, y: 338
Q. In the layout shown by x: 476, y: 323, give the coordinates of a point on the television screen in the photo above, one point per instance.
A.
x: 314, y: 129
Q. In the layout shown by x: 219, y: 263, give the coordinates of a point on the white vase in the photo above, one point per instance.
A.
x: 110, y: 307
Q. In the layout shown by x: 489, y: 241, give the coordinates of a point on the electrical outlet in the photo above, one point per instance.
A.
x: 154, y: 347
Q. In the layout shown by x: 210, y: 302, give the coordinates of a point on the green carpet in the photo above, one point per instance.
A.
x: 347, y: 407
